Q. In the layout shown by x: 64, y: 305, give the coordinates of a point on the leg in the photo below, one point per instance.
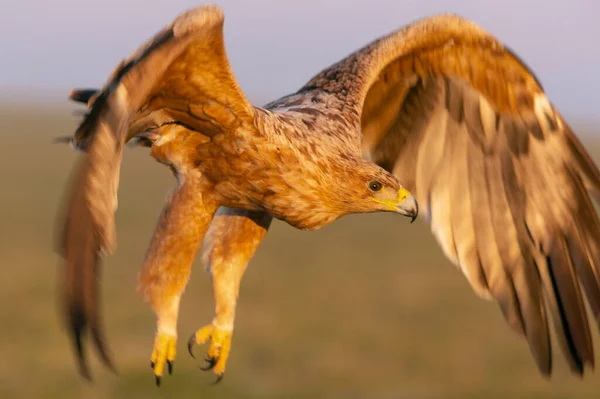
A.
x: 230, y: 243
x: 166, y: 270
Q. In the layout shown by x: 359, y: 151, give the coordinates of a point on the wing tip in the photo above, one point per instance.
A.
x: 77, y: 322
x: 579, y: 364
x: 79, y: 326
x: 102, y: 349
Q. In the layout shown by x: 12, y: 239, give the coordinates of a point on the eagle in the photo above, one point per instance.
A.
x: 438, y: 113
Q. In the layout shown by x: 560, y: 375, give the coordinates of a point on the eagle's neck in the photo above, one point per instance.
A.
x: 308, y: 159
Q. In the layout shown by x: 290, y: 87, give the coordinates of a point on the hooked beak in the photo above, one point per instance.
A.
x: 408, y: 207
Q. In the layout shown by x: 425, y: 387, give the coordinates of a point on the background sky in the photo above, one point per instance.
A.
x: 275, y: 46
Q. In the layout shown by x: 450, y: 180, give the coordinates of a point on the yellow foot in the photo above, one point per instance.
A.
x: 218, y: 351
x: 163, y: 352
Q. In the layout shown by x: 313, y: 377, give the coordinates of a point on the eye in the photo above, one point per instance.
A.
x: 375, y: 186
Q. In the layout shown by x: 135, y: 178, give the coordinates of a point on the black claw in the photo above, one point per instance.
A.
x: 191, y: 343
x: 211, y: 364
x: 157, y: 379
x: 219, y: 378
x: 152, y: 364
x: 170, y: 366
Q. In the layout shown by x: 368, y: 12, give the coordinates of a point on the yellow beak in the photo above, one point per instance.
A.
x: 405, y: 205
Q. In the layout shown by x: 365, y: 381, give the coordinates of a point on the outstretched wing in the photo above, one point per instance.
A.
x: 502, y: 179
x: 181, y: 76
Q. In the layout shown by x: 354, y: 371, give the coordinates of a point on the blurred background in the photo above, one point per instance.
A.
x: 367, y: 307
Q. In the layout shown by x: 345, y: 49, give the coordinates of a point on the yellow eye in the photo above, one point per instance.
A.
x: 375, y: 186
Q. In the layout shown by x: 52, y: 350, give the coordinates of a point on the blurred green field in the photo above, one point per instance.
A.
x: 365, y: 308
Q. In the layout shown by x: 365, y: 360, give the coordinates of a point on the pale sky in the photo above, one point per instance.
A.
x: 275, y: 46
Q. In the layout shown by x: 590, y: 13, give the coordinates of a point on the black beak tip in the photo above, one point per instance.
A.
x: 416, y: 212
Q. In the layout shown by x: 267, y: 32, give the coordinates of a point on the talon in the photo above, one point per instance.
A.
x: 218, y: 351
x: 219, y: 378
x: 163, y: 353
x: 211, y: 363
x: 191, y: 343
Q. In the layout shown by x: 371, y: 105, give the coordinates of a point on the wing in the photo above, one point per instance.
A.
x: 181, y: 76
x: 504, y: 182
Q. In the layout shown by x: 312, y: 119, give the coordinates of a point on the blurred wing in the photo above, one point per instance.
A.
x: 503, y: 181
x: 181, y: 76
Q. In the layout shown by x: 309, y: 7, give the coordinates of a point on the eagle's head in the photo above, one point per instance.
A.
x: 370, y: 188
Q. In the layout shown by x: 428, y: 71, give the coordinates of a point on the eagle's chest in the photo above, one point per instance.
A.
x: 288, y: 182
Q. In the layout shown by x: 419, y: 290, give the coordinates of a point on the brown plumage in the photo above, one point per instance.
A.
x: 440, y: 108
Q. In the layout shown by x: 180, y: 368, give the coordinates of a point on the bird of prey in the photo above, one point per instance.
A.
x: 438, y: 112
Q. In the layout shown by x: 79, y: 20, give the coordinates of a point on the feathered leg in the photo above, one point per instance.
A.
x: 166, y: 270
x: 230, y: 243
